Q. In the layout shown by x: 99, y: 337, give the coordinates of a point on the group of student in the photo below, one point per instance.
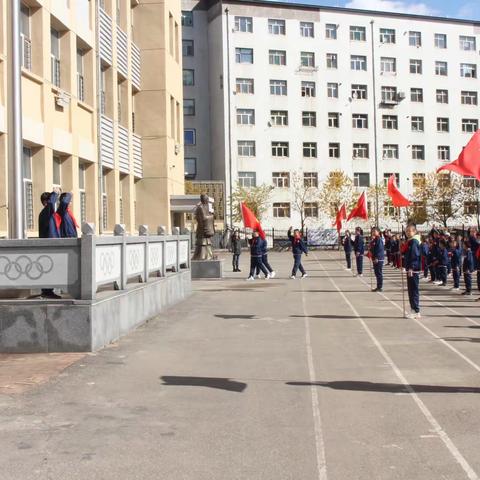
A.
x: 56, y: 220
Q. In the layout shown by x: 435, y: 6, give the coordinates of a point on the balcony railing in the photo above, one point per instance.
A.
x: 55, y: 66
x: 106, y: 141
x: 137, y: 156
x: 122, y: 52
x: 123, y: 150
x: 105, y: 37
x: 136, y: 68
x: 26, y: 53
x: 80, y: 87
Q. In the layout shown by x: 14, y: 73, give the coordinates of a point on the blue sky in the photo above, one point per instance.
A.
x: 466, y: 9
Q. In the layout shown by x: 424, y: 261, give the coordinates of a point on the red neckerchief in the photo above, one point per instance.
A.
x: 58, y: 219
x: 72, y: 217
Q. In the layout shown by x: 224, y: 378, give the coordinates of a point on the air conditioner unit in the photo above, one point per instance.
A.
x: 401, y: 96
x: 62, y: 99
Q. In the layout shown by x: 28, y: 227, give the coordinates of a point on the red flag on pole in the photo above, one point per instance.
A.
x: 398, y: 200
x: 468, y: 162
x: 251, y: 221
x: 360, y: 211
x: 341, y: 216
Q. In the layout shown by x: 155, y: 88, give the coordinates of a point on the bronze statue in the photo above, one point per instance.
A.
x: 205, y: 230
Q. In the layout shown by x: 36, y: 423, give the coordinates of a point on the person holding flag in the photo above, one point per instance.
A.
x: 256, y: 249
x: 359, y: 249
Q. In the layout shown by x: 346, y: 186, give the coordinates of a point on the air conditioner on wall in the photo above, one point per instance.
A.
x: 62, y: 99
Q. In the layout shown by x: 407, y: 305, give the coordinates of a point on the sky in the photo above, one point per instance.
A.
x: 465, y: 9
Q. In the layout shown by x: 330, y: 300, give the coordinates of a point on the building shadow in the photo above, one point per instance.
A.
x: 358, y: 386
x: 208, y: 382
x: 235, y: 317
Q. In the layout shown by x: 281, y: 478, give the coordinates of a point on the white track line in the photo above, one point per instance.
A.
x: 317, y: 419
x: 471, y: 474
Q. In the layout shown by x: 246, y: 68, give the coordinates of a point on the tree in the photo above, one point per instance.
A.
x: 304, y: 192
x: 257, y: 199
x: 337, y: 189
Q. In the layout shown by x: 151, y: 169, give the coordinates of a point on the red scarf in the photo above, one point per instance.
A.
x: 72, y: 217
x: 58, y: 220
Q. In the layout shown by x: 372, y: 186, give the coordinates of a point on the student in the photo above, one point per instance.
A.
x: 271, y: 272
x: 377, y: 253
x: 347, y: 247
x: 425, y: 250
x: 395, y: 251
x: 468, y: 267
x: 456, y: 263
x: 413, y: 268
x: 48, y: 224
x: 68, y: 225
x: 388, y: 246
x: 298, y: 248
x: 441, y: 263
x: 359, y: 249
x: 256, y: 246
x: 236, y: 249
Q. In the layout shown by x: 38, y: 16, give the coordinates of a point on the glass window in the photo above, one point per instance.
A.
x: 418, y: 180
x: 387, y: 35
x: 187, y: 48
x: 246, y: 148
x: 307, y: 29
x: 334, y: 150
x: 281, y: 210
x: 332, y: 90
x: 468, y: 43
x: 416, y: 95
x: 276, y: 26
x: 27, y: 163
x: 332, y: 60
x: 360, y: 150
x: 308, y: 89
x: 278, y: 87
x: 358, y: 62
x: 440, y: 40
x: 187, y: 18
x: 469, y: 98
x: 189, y: 136
x: 244, y: 85
x: 244, y: 24
x: 279, y: 117
x: 188, y: 77
x: 247, y: 179
x: 307, y: 59
x: 359, y: 120
x: 442, y: 96
x: 441, y: 68
x: 309, y: 149
x: 468, y: 70
x: 277, y: 57
x: 310, y: 209
x: 190, y: 168
x: 386, y: 178
x: 25, y: 21
x: 310, y: 179
x: 331, y: 31
x: 55, y: 43
x: 415, y: 39
x: 416, y: 66
x: 334, y: 120
x: 280, y: 149
x: 389, y: 95
x: 469, y: 125
x: 245, y: 116
x: 309, y: 119
x: 390, y: 151
x: 443, y: 124
x: 418, y: 124
x: 358, y: 34
x: 57, y: 171
x: 244, y: 55
x: 443, y: 153
x: 390, y: 122
x: 388, y: 65
x: 359, y: 92
x: 189, y: 107
x: 361, y: 179
x: 28, y: 187
x: 281, y: 179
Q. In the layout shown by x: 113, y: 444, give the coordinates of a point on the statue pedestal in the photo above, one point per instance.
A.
x: 206, y: 269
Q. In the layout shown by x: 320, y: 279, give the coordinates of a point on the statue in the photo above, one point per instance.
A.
x: 205, y: 230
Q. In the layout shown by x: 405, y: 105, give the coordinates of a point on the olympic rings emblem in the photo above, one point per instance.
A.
x: 24, y: 265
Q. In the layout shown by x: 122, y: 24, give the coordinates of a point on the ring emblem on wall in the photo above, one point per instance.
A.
x: 24, y: 265
x: 107, y: 262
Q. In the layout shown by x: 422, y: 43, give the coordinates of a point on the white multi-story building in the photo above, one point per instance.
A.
x: 313, y: 89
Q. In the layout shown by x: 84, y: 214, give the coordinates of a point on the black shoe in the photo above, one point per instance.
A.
x: 238, y: 270
x: 51, y: 296
x: 466, y: 293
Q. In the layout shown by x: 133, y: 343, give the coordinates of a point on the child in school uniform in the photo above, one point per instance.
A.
x: 442, y: 263
x: 298, y: 248
x: 456, y: 263
x: 377, y: 253
x: 425, y: 250
x: 359, y: 249
x: 468, y: 267
x: 413, y: 267
x: 348, y: 247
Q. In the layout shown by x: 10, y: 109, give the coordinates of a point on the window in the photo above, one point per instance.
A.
x: 359, y: 92
x: 389, y: 94
x: 390, y: 152
x: 470, y: 208
x: 245, y: 116
x: 443, y: 124
x: 334, y: 150
x: 247, y: 179
x: 390, y: 122
x: 360, y: 150
x: 190, y: 168
x: 246, y: 148
x: 188, y: 77
x: 277, y: 57
x: 415, y: 39
x: 358, y: 62
x: 280, y: 149
x: 310, y: 179
x: 386, y: 178
x: 387, y: 35
x: 82, y: 169
x: 416, y: 66
x: 440, y: 40
x: 55, y: 57
x: 309, y: 119
x: 189, y: 107
x: 189, y: 136
x: 442, y: 96
x: 359, y: 120
x: 443, y: 153
x: 311, y: 209
x: 307, y: 29
x: 331, y: 31
x: 441, y: 68
x: 307, y: 59
x: 244, y: 55
x: 281, y: 210
x: 308, y: 89
x: 187, y: 48
x: 469, y: 98
x: 281, y: 179
x: 418, y: 180
x: 418, y: 152
x: 26, y: 44
x: 309, y: 149
x: 279, y: 117
x: 418, y: 124
x: 80, y: 78
x: 334, y: 120
x: 276, y: 27
x: 244, y: 85
x: 28, y: 187
x: 332, y: 90
x: 187, y: 18
x: 468, y: 70
x: 468, y: 43
x: 278, y: 87
x: 469, y: 125
x: 388, y: 65
x: 358, y: 34
x: 332, y: 60
x: 416, y: 95
x: 244, y: 24
x: 361, y: 179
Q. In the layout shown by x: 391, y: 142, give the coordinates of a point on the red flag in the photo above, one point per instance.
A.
x: 251, y: 221
x: 468, y: 162
x: 360, y: 211
x: 398, y: 200
x: 341, y: 216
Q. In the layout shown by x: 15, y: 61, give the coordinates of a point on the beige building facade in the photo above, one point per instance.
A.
x: 97, y: 110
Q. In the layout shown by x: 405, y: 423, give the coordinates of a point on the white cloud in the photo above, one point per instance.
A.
x: 392, y: 6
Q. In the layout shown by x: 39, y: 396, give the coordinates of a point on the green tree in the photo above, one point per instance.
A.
x: 336, y: 189
x: 257, y: 199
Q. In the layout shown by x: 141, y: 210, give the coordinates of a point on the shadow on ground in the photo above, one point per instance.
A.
x: 208, y: 382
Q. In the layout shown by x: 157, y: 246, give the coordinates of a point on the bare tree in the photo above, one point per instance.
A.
x: 304, y: 194
x: 257, y: 199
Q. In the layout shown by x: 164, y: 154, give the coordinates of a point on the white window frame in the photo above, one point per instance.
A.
x: 281, y: 179
x: 442, y: 96
x: 390, y: 122
x: 246, y: 148
x: 243, y: 24
x: 359, y: 91
x: 308, y: 89
x: 443, y: 124
x: 309, y: 149
x: 416, y: 66
x: 468, y: 43
x: 418, y: 124
x: 242, y: 53
x: 415, y: 39
x: 277, y: 26
x: 278, y: 86
x: 333, y: 120
x: 307, y: 59
x: 358, y: 33
x: 332, y: 60
x: 331, y: 31
x: 280, y: 149
x: 389, y: 94
x: 441, y: 68
x: 388, y: 65
x: 388, y: 35
x: 443, y: 153
x: 440, y: 41
x: 279, y: 118
x: 358, y: 63
x: 245, y: 86
x: 245, y: 116
x: 469, y: 125
x: 307, y: 29
x: 309, y: 119
x: 332, y: 90
x: 334, y: 150
x: 469, y: 97
x: 310, y: 179
x: 281, y: 209
x: 390, y: 151
x: 361, y: 150
x: 361, y: 179
x: 468, y: 70
x: 247, y: 179
x: 360, y: 120
x: 277, y: 57
x: 416, y: 95
x: 418, y: 152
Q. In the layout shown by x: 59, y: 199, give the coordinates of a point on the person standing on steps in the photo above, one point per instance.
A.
x: 377, y: 254
x: 359, y: 249
x: 347, y: 247
x: 413, y: 266
x: 256, y: 248
x: 236, y: 249
x: 298, y: 248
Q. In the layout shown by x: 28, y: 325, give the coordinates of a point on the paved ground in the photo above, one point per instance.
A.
x: 315, y: 379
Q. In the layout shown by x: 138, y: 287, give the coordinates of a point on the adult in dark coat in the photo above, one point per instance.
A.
x: 236, y: 249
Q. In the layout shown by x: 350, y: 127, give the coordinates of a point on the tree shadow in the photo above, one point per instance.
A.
x: 462, y: 326
x: 235, y: 317
x: 461, y: 339
x: 358, y: 386
x: 208, y: 382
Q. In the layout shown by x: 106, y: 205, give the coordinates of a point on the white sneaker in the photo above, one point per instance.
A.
x: 293, y: 277
x: 305, y: 275
x: 272, y: 274
x: 413, y: 315
x: 360, y: 274
x: 267, y: 277
x: 250, y: 279
x: 425, y: 279
x: 348, y: 269
x: 437, y: 283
